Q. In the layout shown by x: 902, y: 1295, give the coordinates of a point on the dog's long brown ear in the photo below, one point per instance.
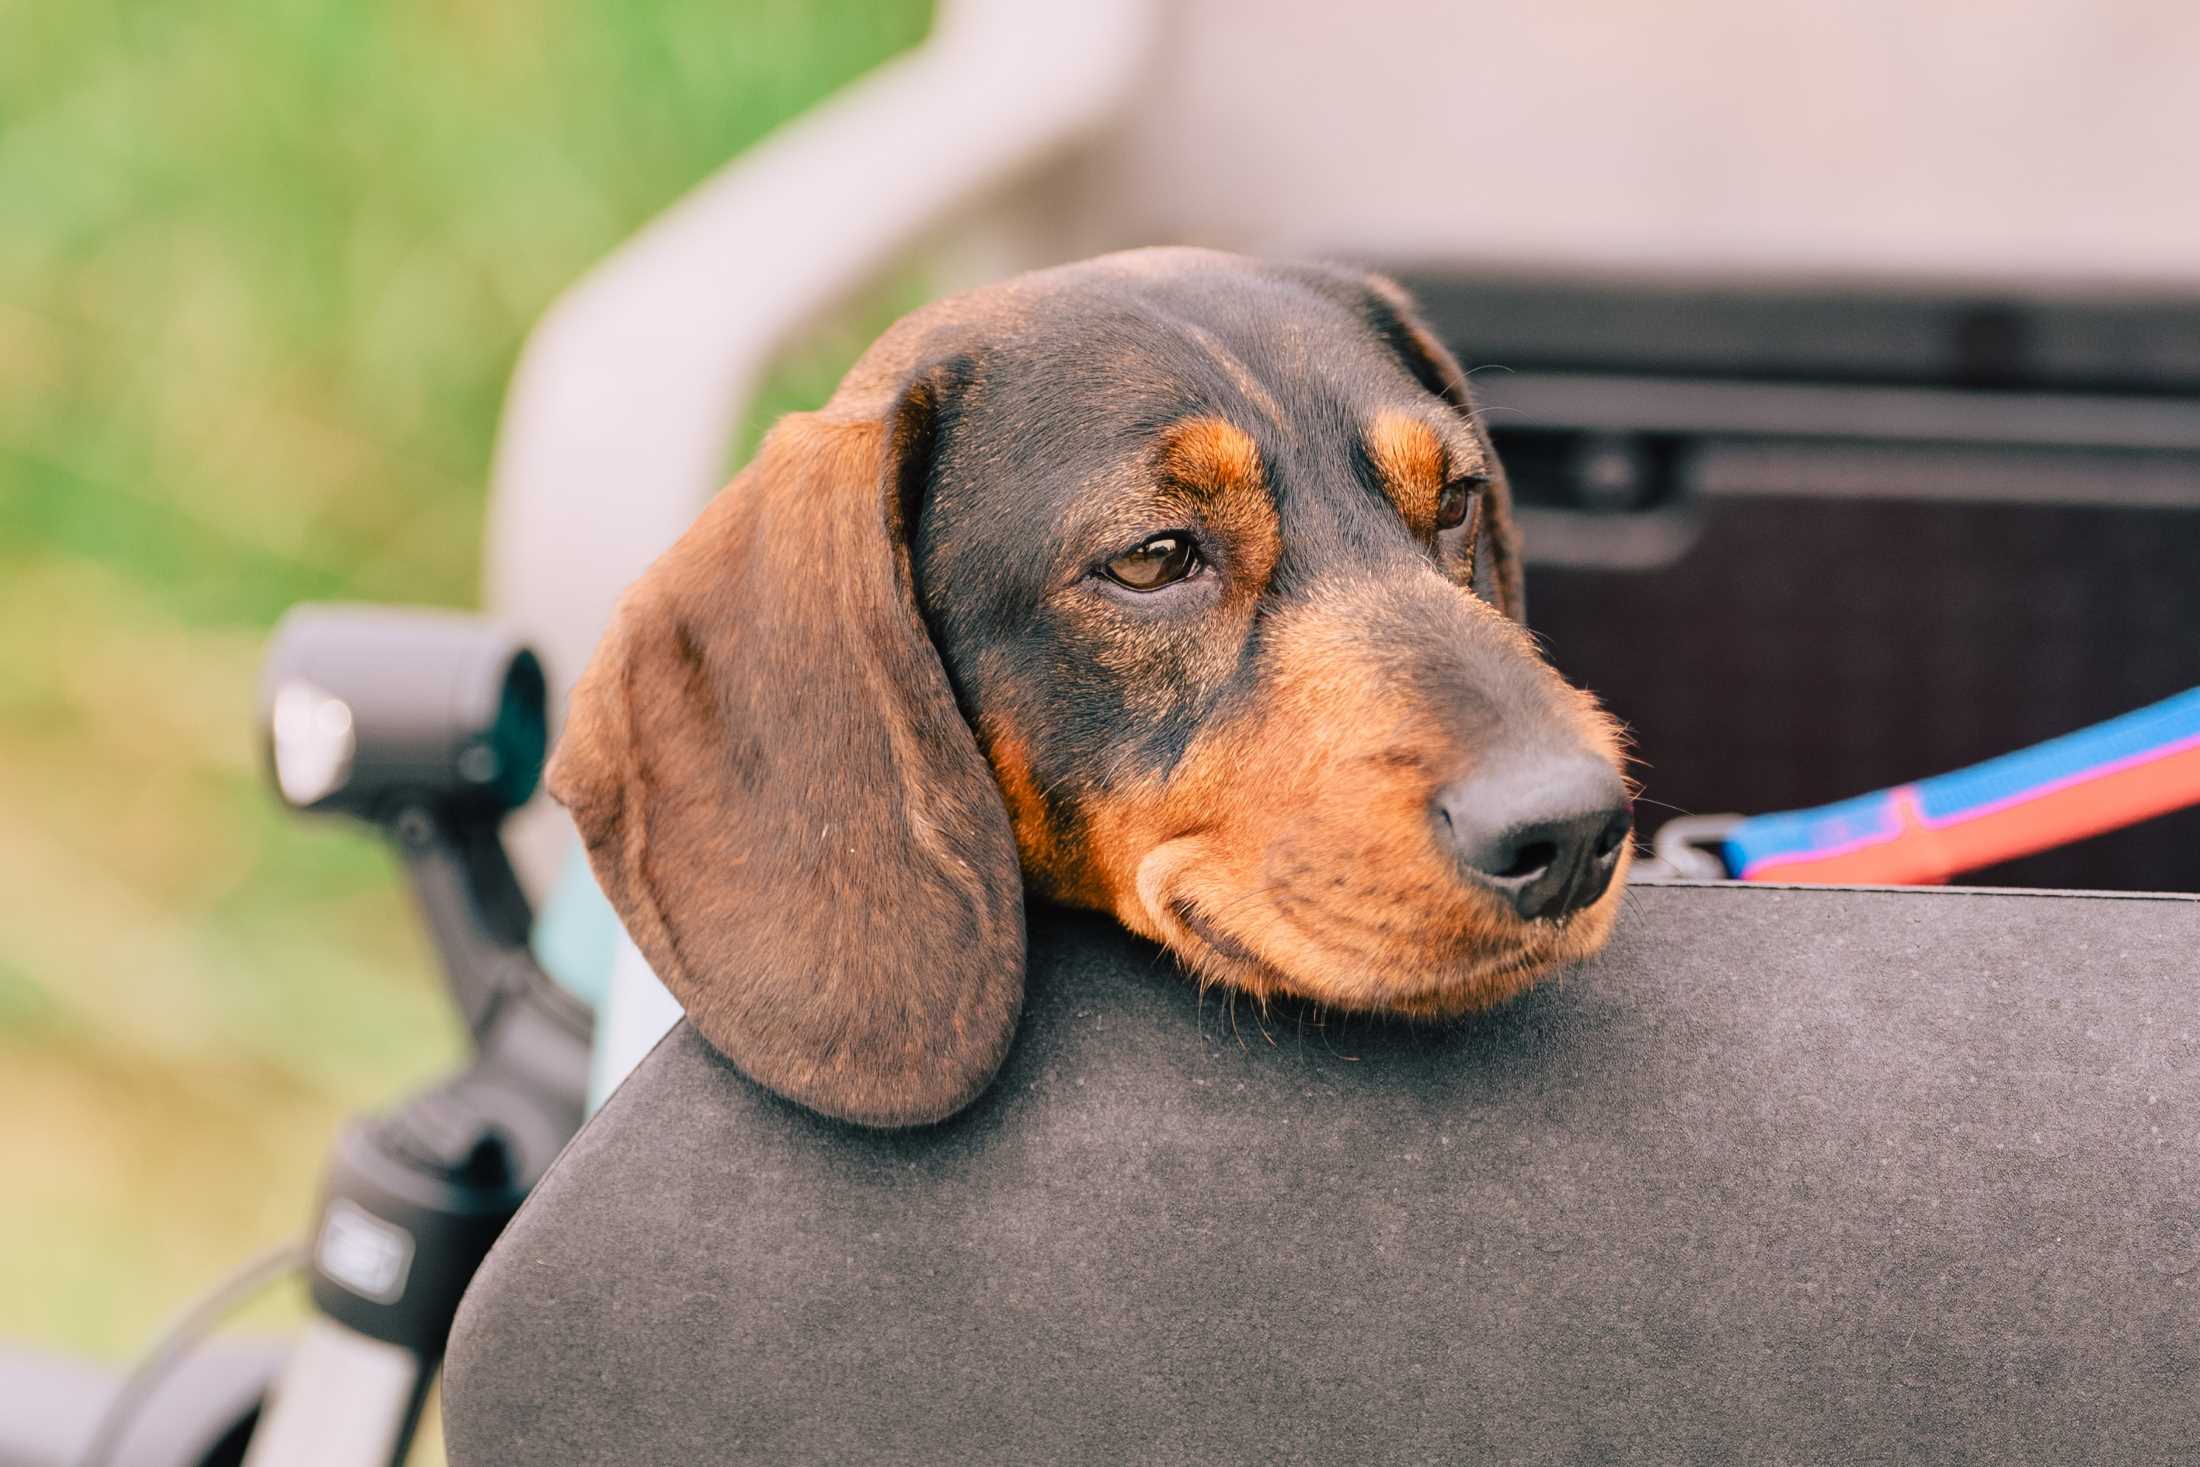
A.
x: 1395, y: 318
x: 781, y: 799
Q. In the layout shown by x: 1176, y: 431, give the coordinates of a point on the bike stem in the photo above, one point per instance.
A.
x: 414, y: 1196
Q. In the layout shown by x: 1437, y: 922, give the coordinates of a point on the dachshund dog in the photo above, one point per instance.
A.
x: 1170, y: 584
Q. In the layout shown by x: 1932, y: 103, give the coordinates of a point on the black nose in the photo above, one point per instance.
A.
x: 1544, y: 834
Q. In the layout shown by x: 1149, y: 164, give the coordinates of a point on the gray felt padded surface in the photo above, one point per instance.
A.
x: 1786, y: 1176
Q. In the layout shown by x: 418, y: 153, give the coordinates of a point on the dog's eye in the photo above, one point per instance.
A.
x: 1159, y: 562
x: 1456, y: 503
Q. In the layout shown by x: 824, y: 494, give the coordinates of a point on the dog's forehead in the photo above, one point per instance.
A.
x: 1142, y: 345
x: 1112, y: 348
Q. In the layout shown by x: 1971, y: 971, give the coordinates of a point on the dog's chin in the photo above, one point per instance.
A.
x: 1511, y: 970
x: 1500, y: 961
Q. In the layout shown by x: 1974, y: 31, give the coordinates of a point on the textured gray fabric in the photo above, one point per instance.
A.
x: 1787, y: 1176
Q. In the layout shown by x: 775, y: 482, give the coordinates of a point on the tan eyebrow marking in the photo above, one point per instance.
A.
x: 1216, y: 466
x: 1198, y: 470
x: 1410, y: 456
x: 1211, y: 454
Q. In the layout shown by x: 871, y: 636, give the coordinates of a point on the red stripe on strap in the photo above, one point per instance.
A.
x: 1921, y: 855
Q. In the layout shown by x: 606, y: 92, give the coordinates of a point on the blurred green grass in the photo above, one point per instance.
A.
x: 264, y: 270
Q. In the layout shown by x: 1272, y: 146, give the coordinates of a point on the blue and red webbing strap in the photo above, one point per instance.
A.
x: 2112, y: 774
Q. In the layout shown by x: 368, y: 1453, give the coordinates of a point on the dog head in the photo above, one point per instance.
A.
x: 1172, y: 584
